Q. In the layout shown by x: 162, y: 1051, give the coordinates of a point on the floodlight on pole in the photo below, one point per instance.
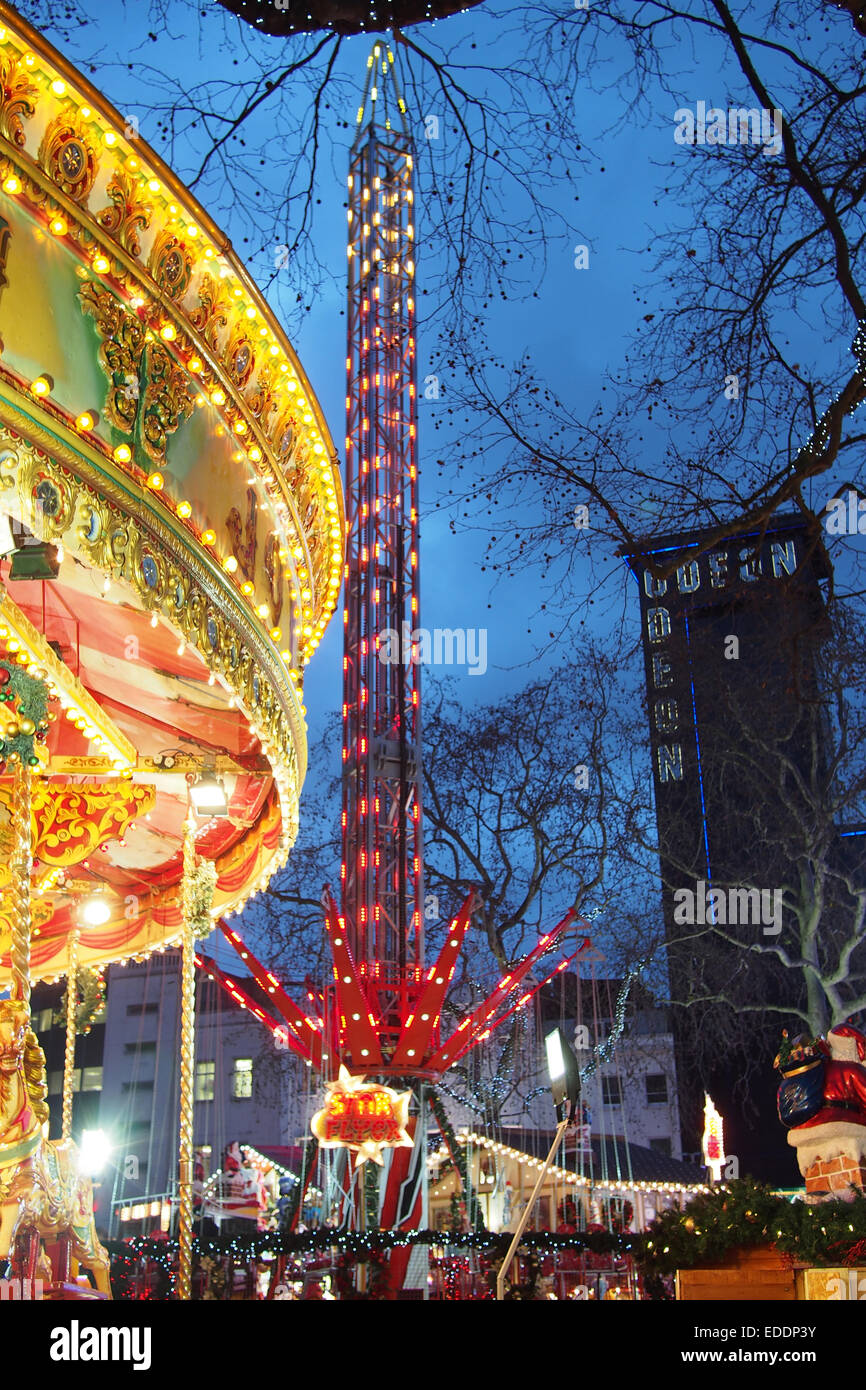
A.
x: 564, y: 1073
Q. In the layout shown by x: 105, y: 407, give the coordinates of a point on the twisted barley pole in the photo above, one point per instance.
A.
x: 19, y: 888
x: 187, y: 1058
x: 69, y: 1062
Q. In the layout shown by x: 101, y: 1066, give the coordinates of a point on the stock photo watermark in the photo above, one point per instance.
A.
x: 846, y: 515
x: 441, y: 646
x: 739, y: 125
x: 729, y: 907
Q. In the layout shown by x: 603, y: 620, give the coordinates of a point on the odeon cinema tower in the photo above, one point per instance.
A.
x: 731, y: 635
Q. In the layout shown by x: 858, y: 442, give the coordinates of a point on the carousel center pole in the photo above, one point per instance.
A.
x: 69, y: 1061
x: 187, y: 1057
x: 21, y: 866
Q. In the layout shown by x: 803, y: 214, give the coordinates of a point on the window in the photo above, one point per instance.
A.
x: 45, y: 1020
x: 136, y: 1010
x: 131, y: 1048
x: 661, y: 1146
x: 55, y: 1081
x: 611, y: 1090
x: 91, y: 1079
x: 137, y: 1086
x: 242, y: 1078
x: 205, y: 1076
x: 656, y: 1089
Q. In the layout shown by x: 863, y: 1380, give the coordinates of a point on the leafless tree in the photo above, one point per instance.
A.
x: 741, y: 384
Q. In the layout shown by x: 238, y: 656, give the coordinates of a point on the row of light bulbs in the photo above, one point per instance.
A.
x: 466, y: 1137
x: 86, y: 719
x: 87, y: 420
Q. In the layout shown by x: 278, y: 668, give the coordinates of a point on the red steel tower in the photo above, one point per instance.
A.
x: 380, y: 1013
x: 381, y: 871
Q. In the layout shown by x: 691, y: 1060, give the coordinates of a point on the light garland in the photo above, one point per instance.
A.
x: 34, y: 653
x: 465, y: 1137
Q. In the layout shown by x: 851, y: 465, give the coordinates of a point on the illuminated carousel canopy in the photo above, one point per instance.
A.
x: 283, y: 17
x: 171, y: 531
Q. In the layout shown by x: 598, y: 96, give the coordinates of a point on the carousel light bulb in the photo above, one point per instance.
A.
x: 95, y: 911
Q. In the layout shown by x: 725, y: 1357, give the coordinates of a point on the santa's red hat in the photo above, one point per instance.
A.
x: 847, y: 1030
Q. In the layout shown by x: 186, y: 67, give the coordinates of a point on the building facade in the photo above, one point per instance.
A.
x: 731, y: 641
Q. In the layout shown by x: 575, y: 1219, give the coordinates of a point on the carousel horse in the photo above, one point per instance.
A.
x: 42, y: 1194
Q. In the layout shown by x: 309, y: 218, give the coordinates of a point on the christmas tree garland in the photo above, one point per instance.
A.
x: 747, y: 1213
x: 713, y: 1225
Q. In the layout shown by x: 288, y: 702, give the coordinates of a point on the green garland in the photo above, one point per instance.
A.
x: 201, y: 893
x: 736, y: 1214
x: 29, y: 696
x: 747, y: 1213
x: 356, y: 1244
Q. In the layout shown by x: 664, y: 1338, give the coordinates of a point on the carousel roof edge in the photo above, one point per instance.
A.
x: 11, y: 19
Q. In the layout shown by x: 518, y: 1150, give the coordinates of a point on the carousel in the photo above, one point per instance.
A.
x: 171, y: 546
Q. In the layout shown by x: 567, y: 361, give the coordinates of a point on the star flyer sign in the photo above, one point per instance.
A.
x: 365, y: 1118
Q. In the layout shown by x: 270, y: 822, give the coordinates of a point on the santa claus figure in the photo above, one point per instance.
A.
x: 822, y: 1099
x: 845, y: 1072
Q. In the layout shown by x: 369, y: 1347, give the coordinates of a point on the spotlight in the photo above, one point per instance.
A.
x: 94, y: 1152
x: 564, y: 1073
x: 95, y: 911
x: 208, y: 795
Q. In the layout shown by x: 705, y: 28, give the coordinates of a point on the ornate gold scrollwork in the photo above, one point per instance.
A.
x: 129, y: 214
x: 70, y: 822
x: 214, y: 309
x: 18, y: 94
x: 128, y: 359
x: 167, y: 400
x: 48, y: 497
x: 244, y: 550
x: 67, y: 156
x: 170, y: 263
x: 5, y: 238
x: 263, y: 400
x: 120, y: 352
x: 240, y: 355
x: 274, y: 572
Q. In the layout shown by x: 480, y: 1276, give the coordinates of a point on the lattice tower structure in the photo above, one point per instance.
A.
x: 381, y: 871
